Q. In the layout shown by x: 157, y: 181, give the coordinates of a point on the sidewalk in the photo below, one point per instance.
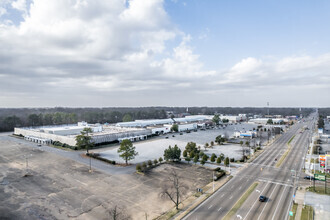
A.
x: 299, y: 199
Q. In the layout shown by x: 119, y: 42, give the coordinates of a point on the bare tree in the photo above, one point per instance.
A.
x: 117, y: 213
x: 173, y: 189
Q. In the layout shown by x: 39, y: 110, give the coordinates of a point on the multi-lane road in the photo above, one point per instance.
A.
x: 277, y: 184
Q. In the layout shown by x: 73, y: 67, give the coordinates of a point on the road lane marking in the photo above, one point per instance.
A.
x: 210, y: 206
x: 222, y: 195
x: 267, y: 202
x: 279, y: 202
x: 254, y: 203
x: 219, y: 209
x: 231, y: 197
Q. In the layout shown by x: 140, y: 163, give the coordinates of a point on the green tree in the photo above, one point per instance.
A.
x: 188, y: 159
x: 138, y: 168
x: 127, y: 118
x: 155, y: 161
x: 213, y: 157
x: 218, y: 160
x: 212, y: 144
x: 184, y: 154
x: 226, y: 162
x: 270, y: 121
x: 203, y: 162
x: 225, y: 120
x: 173, y: 154
x: 222, y: 156
x: 191, y: 147
x: 192, y: 154
x: 175, y: 128
x: 196, y: 159
x: 11, y: 122
x: 216, y: 119
x: 160, y: 159
x: 206, y: 145
x: 127, y: 150
x: 205, y: 157
x: 149, y: 163
x: 219, y: 139
x: 34, y: 120
x: 84, y: 140
x: 48, y: 119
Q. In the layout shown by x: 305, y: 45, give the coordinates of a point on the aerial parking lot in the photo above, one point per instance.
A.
x: 36, y: 184
x: 154, y: 148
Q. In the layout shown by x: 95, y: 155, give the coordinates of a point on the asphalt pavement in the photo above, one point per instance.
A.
x: 277, y: 184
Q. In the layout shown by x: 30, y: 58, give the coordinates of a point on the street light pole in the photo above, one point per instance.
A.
x: 90, y: 163
x: 213, y: 181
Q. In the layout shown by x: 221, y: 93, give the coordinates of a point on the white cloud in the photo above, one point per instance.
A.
x: 83, y: 49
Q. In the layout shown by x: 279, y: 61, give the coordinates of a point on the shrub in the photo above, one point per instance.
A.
x: 138, y: 168
x: 218, y: 160
x: 203, y: 162
x: 213, y: 157
x: 144, y: 166
x: 226, y: 161
x: 149, y: 163
x: 188, y: 159
x: 232, y: 159
x: 205, y: 157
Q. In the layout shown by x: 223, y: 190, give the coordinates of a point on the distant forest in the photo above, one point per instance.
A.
x: 26, y: 117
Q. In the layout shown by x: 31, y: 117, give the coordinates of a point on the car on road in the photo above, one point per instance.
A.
x: 309, y: 178
x: 262, y: 198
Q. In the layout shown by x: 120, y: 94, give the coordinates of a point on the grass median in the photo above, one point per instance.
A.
x: 307, y: 213
x: 294, y: 211
x: 240, y: 202
x: 280, y: 161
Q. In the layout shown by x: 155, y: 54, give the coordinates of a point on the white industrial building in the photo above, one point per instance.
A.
x: 67, y: 134
x: 234, y: 118
x: 156, y: 122
x: 264, y: 120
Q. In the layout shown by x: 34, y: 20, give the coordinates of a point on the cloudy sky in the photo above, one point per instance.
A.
x: 164, y: 53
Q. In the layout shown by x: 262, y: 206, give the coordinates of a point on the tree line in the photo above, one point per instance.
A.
x: 25, y: 117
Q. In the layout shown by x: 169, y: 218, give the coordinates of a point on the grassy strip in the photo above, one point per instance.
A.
x: 241, y: 201
x: 291, y: 139
x: 280, y: 161
x: 319, y: 190
x: 307, y: 213
x: 168, y: 215
x: 294, y: 210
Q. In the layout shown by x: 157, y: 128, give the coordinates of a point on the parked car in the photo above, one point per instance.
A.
x: 181, y: 133
x: 309, y: 178
x: 39, y: 145
x: 262, y: 198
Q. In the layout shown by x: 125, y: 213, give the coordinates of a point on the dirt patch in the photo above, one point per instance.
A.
x: 60, y: 188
